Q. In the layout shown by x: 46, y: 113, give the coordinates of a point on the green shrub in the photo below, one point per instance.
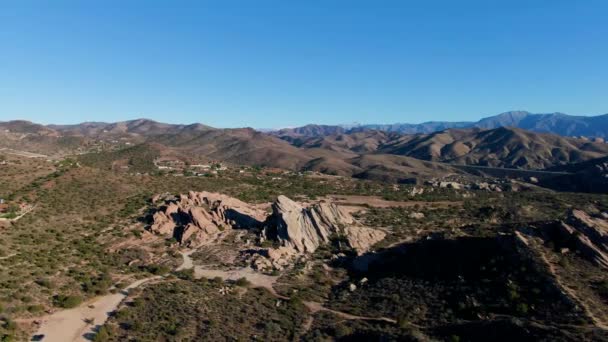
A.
x: 243, y: 282
x: 35, y: 308
x: 67, y: 302
x: 102, y: 335
x: 45, y: 283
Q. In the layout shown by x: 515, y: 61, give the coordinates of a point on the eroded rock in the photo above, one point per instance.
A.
x: 589, y: 234
x: 305, y: 229
x: 194, y: 217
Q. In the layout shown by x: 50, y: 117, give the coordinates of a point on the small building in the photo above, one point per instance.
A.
x: 1, y: 200
x: 3, y: 208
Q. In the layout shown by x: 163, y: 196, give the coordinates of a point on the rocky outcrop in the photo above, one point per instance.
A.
x: 305, y: 229
x: 588, y: 234
x: 194, y: 217
x: 292, y: 229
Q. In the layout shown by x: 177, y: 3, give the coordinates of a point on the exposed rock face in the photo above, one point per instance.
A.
x: 305, y: 229
x: 194, y: 217
x: 590, y: 235
x: 200, y: 216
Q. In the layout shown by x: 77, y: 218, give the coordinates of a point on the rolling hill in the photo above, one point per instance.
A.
x: 372, y: 154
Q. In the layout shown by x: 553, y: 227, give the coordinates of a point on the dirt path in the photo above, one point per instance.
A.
x: 255, y: 278
x: 315, y: 307
x: 8, y: 256
x: 28, y: 210
x: 23, y: 153
x: 187, y: 263
x: 378, y: 202
x: 71, y: 325
x: 569, y: 292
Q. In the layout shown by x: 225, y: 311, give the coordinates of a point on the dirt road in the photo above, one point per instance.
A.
x: 255, y: 278
x: 70, y: 325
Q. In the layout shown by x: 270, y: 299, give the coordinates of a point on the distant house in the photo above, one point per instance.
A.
x: 3, y: 208
x: 1, y: 200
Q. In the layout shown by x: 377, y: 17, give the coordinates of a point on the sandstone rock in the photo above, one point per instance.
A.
x: 199, y: 215
x: 585, y: 246
x: 305, y: 229
x: 416, y: 216
x: 481, y: 186
x: 163, y: 224
x: 596, y: 228
x: 590, y: 235
x: 362, y: 238
x: 417, y: 191
x: 450, y: 185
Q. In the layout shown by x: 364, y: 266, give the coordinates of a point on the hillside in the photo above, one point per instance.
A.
x: 363, y: 153
x: 589, y: 176
x: 500, y: 147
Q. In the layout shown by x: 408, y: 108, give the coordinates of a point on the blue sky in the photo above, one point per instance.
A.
x: 271, y: 64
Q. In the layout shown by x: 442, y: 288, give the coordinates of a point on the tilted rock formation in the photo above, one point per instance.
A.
x: 194, y: 217
x: 200, y: 216
x: 590, y: 235
x: 305, y: 229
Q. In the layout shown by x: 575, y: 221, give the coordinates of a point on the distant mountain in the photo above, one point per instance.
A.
x: 426, y: 127
x: 310, y: 131
x: 556, y: 123
x: 364, y: 153
x: 499, y: 147
x: 143, y: 127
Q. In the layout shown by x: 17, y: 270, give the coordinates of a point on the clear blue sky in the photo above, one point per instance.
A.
x: 273, y: 64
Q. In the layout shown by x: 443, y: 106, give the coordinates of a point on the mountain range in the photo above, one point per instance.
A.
x: 385, y: 155
x: 556, y: 123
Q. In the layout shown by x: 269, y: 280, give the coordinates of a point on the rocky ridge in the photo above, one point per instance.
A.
x: 305, y: 229
x: 587, y: 234
x: 296, y: 230
x: 191, y: 219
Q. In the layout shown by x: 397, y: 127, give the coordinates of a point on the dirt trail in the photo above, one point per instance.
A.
x: 8, y: 256
x: 23, y: 153
x: 187, y: 263
x: 255, y: 278
x: 71, y: 325
x: 28, y: 210
x: 315, y: 307
x: 379, y: 202
x: 570, y: 292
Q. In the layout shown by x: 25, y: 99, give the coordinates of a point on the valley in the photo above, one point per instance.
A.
x: 368, y: 235
x: 329, y: 171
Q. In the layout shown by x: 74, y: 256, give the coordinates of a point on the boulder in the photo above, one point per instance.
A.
x: 417, y: 216
x: 417, y: 191
x: 450, y: 185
